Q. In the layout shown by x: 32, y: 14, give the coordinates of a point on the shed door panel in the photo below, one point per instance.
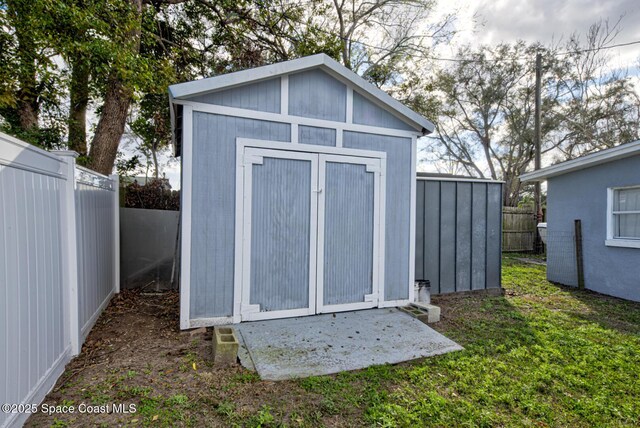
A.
x: 282, y: 225
x: 347, y: 226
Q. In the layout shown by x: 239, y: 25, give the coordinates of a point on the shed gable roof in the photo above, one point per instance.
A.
x: 603, y: 156
x: 322, y: 61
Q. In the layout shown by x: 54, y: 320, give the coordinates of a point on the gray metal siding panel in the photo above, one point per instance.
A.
x: 213, y: 206
x: 494, y: 235
x: 280, y: 234
x: 420, y: 238
x: 260, y: 96
x: 461, y: 235
x: 447, y: 237
x: 478, y: 236
x: 432, y: 236
x: 367, y: 113
x: 348, y: 239
x: 583, y: 195
x: 316, y: 136
x: 398, y: 205
x: 329, y: 96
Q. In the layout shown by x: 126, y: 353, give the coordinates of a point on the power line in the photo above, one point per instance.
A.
x: 635, y: 42
x: 444, y: 59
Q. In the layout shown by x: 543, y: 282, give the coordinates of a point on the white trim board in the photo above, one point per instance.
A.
x: 322, y: 61
x: 611, y: 240
x: 460, y: 179
x: 291, y: 119
x: 278, y: 145
x: 603, y: 156
x: 185, y: 212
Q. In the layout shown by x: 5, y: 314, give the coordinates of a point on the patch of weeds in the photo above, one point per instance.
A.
x: 134, y: 392
x: 226, y: 409
x: 168, y: 412
x: 57, y: 423
x: 246, y: 377
x: 263, y: 418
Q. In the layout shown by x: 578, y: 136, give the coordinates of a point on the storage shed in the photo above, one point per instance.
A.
x: 602, y: 191
x: 298, y: 193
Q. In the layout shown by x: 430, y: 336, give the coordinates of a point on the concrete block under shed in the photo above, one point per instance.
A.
x: 424, y: 312
x: 225, y: 346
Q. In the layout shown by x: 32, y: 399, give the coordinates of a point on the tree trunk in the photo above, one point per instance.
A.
x: 27, y: 95
x: 104, y: 146
x: 79, y: 94
x: 154, y: 155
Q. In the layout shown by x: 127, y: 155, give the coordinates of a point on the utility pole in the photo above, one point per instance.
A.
x: 537, y: 137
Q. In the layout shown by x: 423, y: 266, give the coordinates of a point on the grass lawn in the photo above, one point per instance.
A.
x: 541, y: 355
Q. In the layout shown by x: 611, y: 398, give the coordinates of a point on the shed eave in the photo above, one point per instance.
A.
x: 603, y: 156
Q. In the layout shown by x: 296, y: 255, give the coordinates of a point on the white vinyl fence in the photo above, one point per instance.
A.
x: 59, y: 266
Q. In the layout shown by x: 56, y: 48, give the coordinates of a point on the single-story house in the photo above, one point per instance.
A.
x: 298, y: 193
x: 602, y: 190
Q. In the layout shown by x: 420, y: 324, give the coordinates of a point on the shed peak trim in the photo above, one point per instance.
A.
x: 322, y: 61
x: 603, y: 156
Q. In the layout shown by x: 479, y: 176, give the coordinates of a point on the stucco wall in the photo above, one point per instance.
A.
x: 583, y: 195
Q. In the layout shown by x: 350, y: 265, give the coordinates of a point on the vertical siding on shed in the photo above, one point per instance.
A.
x: 463, y: 237
x: 348, y: 233
x: 494, y: 235
x: 213, y: 206
x: 260, y: 96
x: 478, y: 236
x: 317, y: 136
x: 280, y: 234
x: 367, y: 113
x: 317, y: 95
x: 448, y: 237
x: 398, y: 203
x: 458, y: 245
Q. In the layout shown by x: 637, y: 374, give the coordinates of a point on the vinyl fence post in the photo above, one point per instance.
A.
x: 579, y: 258
x: 115, y: 181
x: 70, y: 249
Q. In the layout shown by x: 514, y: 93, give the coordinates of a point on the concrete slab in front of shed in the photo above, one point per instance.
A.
x: 331, y: 343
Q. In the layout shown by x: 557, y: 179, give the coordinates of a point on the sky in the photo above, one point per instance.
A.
x: 495, y: 21
x: 546, y: 21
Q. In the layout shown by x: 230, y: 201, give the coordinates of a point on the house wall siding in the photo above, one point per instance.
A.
x: 583, y: 195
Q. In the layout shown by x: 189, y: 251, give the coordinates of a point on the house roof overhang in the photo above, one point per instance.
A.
x: 601, y: 157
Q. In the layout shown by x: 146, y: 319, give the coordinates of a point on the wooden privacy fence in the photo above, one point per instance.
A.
x: 59, y: 265
x: 518, y: 229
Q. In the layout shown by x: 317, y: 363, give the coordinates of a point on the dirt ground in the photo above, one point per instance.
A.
x: 136, y: 354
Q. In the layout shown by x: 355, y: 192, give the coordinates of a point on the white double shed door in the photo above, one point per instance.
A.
x: 310, y: 230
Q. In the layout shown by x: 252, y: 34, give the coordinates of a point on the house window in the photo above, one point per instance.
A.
x: 623, y: 224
